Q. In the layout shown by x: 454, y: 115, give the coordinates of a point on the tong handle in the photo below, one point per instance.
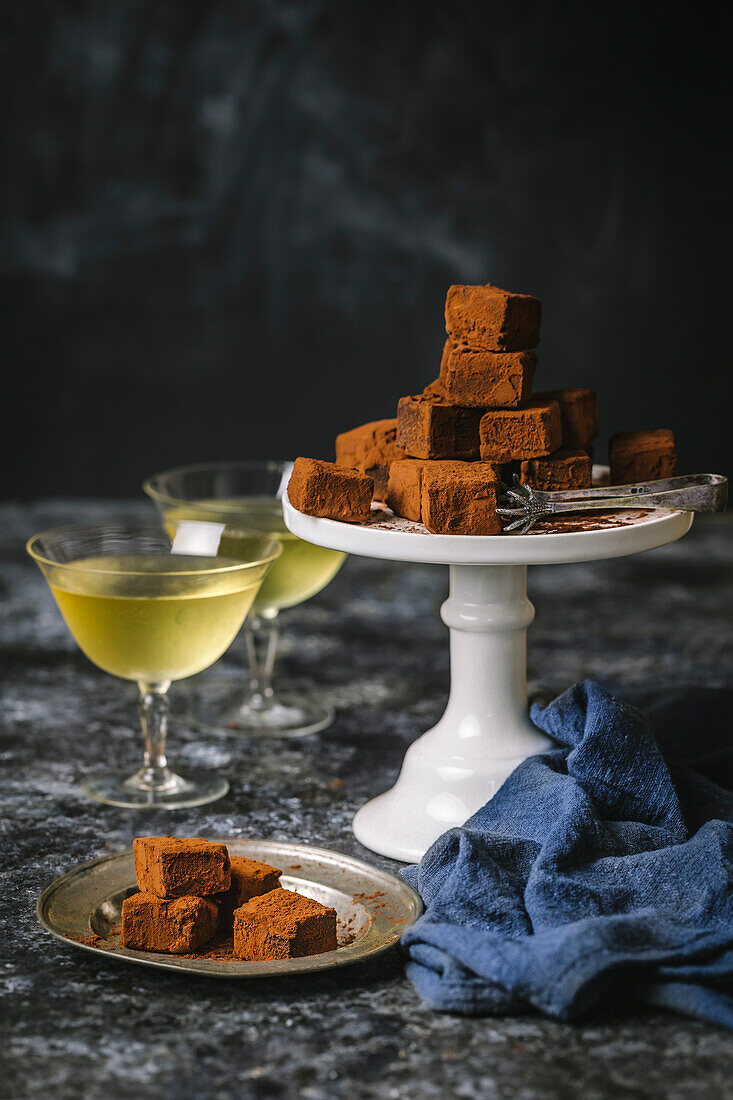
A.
x: 693, y: 493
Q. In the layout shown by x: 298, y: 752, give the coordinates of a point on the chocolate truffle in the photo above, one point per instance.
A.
x: 177, y: 925
x: 404, y: 489
x: 460, y: 498
x: 527, y: 432
x: 579, y: 412
x: 370, y: 448
x: 488, y: 379
x: 283, y: 925
x: 405, y: 496
x: 434, y: 428
x: 642, y: 456
x: 434, y: 389
x: 250, y: 878
x: 490, y: 318
x: 561, y: 470
x: 368, y: 445
x: 171, y: 868
x: 324, y: 489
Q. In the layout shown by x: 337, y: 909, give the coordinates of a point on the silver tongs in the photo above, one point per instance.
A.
x: 695, y: 493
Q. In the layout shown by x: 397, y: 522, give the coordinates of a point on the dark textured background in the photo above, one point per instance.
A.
x: 228, y: 227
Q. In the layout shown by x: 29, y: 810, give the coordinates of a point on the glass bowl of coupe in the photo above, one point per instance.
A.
x: 249, y: 494
x: 153, y: 607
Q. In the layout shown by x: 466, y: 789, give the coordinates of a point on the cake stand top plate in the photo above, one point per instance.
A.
x: 573, y: 539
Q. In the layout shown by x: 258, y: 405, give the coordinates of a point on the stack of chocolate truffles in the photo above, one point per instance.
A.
x: 480, y: 420
x: 441, y: 459
x: 190, y: 891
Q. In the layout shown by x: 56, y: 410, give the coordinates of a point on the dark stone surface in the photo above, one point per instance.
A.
x: 79, y: 1026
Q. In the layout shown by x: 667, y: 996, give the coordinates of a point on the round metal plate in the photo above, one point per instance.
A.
x: 373, y: 907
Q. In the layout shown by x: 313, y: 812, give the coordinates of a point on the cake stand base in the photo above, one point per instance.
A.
x: 454, y: 768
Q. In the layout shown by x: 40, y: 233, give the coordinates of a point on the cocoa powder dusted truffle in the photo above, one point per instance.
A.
x: 433, y: 428
x: 250, y: 878
x: 176, y: 925
x: 561, y: 470
x: 531, y: 431
x: 405, y: 494
x: 642, y: 456
x: 491, y: 318
x: 460, y: 498
x: 370, y: 448
x: 404, y: 488
x: 171, y: 868
x: 283, y: 925
x: 368, y: 445
x: 488, y: 379
x: 325, y: 489
x: 579, y: 414
x: 434, y: 389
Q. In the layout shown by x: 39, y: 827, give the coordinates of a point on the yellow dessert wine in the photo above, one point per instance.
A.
x: 300, y: 572
x: 153, y: 608
x: 154, y: 617
x: 247, y: 496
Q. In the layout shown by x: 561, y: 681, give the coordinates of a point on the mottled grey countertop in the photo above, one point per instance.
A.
x: 76, y: 1025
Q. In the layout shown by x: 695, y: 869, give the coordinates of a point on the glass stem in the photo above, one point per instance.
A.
x: 154, y: 708
x: 262, y: 637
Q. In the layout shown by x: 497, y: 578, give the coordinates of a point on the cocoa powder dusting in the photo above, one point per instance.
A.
x: 589, y: 521
x: 90, y: 941
x: 384, y: 519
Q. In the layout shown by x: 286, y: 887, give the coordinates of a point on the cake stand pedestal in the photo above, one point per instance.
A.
x: 485, y: 732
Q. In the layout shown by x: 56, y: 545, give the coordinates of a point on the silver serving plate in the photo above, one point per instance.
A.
x: 373, y: 908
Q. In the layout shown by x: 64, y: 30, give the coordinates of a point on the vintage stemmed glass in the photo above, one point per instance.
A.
x: 153, y: 607
x: 250, y: 494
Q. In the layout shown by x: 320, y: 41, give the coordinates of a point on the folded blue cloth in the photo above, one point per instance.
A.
x: 601, y: 867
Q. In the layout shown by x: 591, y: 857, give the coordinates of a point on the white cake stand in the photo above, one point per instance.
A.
x: 454, y: 768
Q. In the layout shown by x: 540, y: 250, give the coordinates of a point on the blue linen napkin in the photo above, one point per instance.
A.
x: 601, y: 867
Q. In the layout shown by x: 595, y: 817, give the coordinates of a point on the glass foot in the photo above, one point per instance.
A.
x: 176, y: 793
x: 287, y: 715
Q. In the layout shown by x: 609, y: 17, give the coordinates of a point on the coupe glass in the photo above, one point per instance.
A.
x: 152, y: 608
x: 250, y: 494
